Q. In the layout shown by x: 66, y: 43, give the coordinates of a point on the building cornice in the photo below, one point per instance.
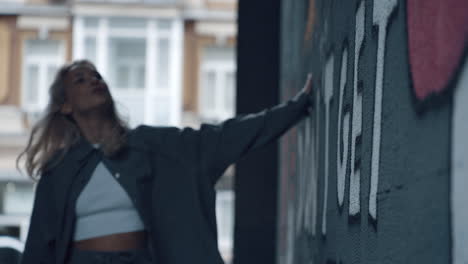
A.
x: 34, y: 10
x: 123, y: 9
x: 205, y: 14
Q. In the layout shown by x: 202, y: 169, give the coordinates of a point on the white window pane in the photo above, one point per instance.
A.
x: 128, y: 48
x: 124, y: 22
x: 219, y: 54
x: 123, y: 76
x: 32, y: 84
x: 171, y: 2
x: 225, y: 220
x: 164, y: 24
x: 91, y: 22
x: 126, y: 62
x: 51, y: 72
x: 221, y: 60
x: 163, y: 63
x: 229, y: 95
x: 209, y: 90
x: 162, y: 113
x: 41, y: 60
x: 18, y: 198
x: 90, y: 49
x: 140, y: 81
x: 42, y: 47
x: 225, y: 216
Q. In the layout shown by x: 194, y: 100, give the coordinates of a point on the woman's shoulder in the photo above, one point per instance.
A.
x: 169, y: 140
x: 160, y: 134
x: 150, y: 131
x: 55, y: 159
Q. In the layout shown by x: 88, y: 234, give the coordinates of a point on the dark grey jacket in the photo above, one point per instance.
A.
x: 169, y: 173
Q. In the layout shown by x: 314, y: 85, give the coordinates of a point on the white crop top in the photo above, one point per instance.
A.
x: 104, y: 208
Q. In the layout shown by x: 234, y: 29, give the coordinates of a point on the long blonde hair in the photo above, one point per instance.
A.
x: 56, y: 132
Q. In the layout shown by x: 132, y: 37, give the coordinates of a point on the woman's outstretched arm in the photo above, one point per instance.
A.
x: 223, y: 144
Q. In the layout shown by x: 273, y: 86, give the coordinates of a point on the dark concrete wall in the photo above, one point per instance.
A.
x: 367, y: 178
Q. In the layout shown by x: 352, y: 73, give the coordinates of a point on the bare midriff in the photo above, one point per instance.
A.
x: 114, y: 242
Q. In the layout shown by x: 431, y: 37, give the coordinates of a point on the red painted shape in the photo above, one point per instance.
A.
x: 437, y: 37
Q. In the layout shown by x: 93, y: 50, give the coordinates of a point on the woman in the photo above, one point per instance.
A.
x: 110, y: 194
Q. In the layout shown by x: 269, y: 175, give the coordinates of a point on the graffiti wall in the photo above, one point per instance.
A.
x: 379, y: 172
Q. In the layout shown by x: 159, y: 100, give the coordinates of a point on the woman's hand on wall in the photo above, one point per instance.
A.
x: 308, y: 85
x: 308, y: 90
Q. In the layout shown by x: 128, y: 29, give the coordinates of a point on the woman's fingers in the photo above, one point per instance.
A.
x: 308, y: 90
x: 308, y: 84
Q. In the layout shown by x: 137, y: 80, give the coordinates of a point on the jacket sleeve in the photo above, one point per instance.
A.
x: 40, y: 240
x: 224, y: 143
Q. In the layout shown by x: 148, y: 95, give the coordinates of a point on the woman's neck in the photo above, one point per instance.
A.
x: 93, y: 127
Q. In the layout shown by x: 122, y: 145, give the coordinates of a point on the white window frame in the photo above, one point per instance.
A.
x: 133, y: 65
x: 220, y: 111
x: 20, y: 221
x: 151, y: 33
x: 43, y: 62
x: 225, y: 226
x: 222, y: 1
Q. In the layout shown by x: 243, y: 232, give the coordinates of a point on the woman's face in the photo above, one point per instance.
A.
x: 85, y: 90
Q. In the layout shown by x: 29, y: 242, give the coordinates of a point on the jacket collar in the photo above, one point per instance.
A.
x: 80, y: 150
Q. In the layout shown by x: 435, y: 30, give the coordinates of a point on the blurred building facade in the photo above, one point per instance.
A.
x: 167, y: 62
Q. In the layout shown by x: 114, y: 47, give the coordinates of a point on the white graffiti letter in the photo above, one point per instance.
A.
x: 306, y: 213
x: 354, y: 185
x: 311, y: 174
x: 301, y: 178
x: 328, y: 94
x: 314, y: 162
x: 459, y: 198
x: 382, y: 11
x: 342, y: 161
